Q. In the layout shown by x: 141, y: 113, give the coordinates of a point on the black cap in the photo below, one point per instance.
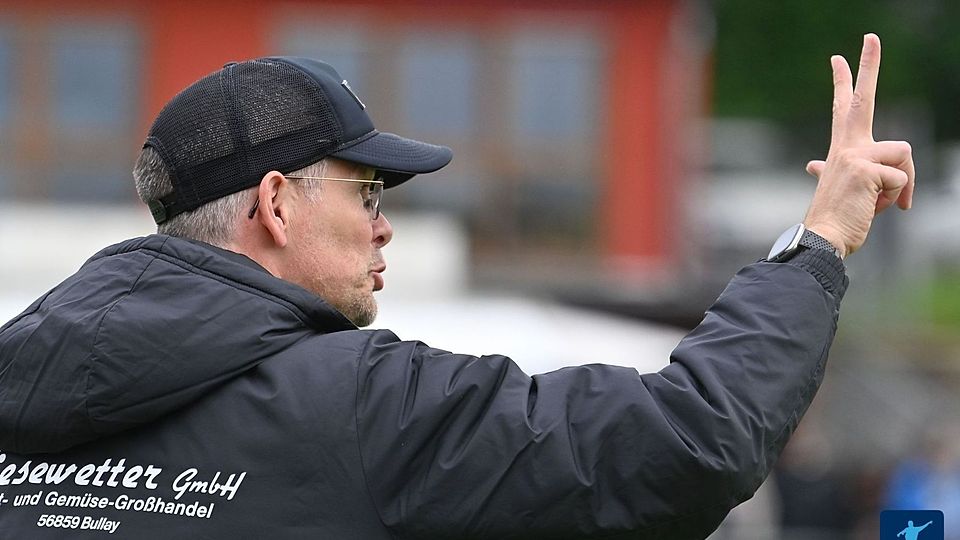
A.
x: 223, y: 133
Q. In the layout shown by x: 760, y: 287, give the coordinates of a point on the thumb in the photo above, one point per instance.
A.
x: 815, y: 168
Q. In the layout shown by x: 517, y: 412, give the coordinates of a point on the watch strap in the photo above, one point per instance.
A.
x: 813, y: 240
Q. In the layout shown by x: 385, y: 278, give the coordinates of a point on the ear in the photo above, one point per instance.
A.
x: 275, y: 206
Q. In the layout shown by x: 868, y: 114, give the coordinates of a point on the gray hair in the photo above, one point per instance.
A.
x: 214, y: 222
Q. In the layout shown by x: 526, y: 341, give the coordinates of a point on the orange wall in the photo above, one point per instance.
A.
x: 639, y: 195
x: 187, y: 40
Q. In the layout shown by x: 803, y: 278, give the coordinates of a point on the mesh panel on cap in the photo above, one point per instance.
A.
x: 289, y: 123
x: 195, y: 131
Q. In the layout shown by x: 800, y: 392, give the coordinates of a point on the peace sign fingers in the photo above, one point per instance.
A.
x: 853, y: 106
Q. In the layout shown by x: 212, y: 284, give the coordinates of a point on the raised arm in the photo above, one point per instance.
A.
x: 474, y: 448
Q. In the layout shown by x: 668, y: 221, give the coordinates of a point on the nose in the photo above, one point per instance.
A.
x: 382, y: 231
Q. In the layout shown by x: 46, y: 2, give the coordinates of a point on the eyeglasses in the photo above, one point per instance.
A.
x: 371, y: 200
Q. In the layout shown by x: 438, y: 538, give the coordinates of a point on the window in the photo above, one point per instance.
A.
x: 439, y: 85
x: 95, y: 93
x: 553, y: 79
x: 95, y: 83
x: 556, y: 85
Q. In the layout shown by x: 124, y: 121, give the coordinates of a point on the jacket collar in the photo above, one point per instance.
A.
x: 244, y: 272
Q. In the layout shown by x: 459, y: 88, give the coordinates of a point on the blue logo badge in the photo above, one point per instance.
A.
x: 911, y: 525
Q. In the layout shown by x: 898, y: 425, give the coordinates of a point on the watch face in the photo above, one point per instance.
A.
x: 787, y: 242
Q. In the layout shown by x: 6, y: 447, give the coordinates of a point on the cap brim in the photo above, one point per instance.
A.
x: 397, y: 158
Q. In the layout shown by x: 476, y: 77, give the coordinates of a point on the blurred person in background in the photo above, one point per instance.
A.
x: 816, y: 498
x: 211, y: 381
x: 929, y: 477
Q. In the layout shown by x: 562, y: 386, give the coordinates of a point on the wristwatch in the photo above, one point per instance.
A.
x: 797, y: 237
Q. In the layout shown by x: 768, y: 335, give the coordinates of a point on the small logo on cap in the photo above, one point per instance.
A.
x: 346, y: 85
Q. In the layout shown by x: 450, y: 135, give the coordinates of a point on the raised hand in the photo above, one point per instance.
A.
x: 861, y: 177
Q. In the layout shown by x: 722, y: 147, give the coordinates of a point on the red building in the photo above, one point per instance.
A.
x: 570, y: 120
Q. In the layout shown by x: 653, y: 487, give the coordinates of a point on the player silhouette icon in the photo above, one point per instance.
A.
x: 912, y: 532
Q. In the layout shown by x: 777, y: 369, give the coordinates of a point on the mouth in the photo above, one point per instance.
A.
x: 377, y: 274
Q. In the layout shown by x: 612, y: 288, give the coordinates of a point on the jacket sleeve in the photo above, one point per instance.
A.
x: 456, y: 446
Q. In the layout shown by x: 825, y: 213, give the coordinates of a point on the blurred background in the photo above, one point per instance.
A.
x: 616, y: 161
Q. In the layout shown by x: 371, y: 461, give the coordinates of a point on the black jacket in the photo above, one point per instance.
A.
x: 173, y: 390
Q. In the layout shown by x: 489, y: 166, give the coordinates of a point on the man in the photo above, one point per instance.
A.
x: 211, y: 381
x: 912, y: 532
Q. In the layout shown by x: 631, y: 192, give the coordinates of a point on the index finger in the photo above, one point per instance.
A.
x: 865, y: 91
x: 842, y: 96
